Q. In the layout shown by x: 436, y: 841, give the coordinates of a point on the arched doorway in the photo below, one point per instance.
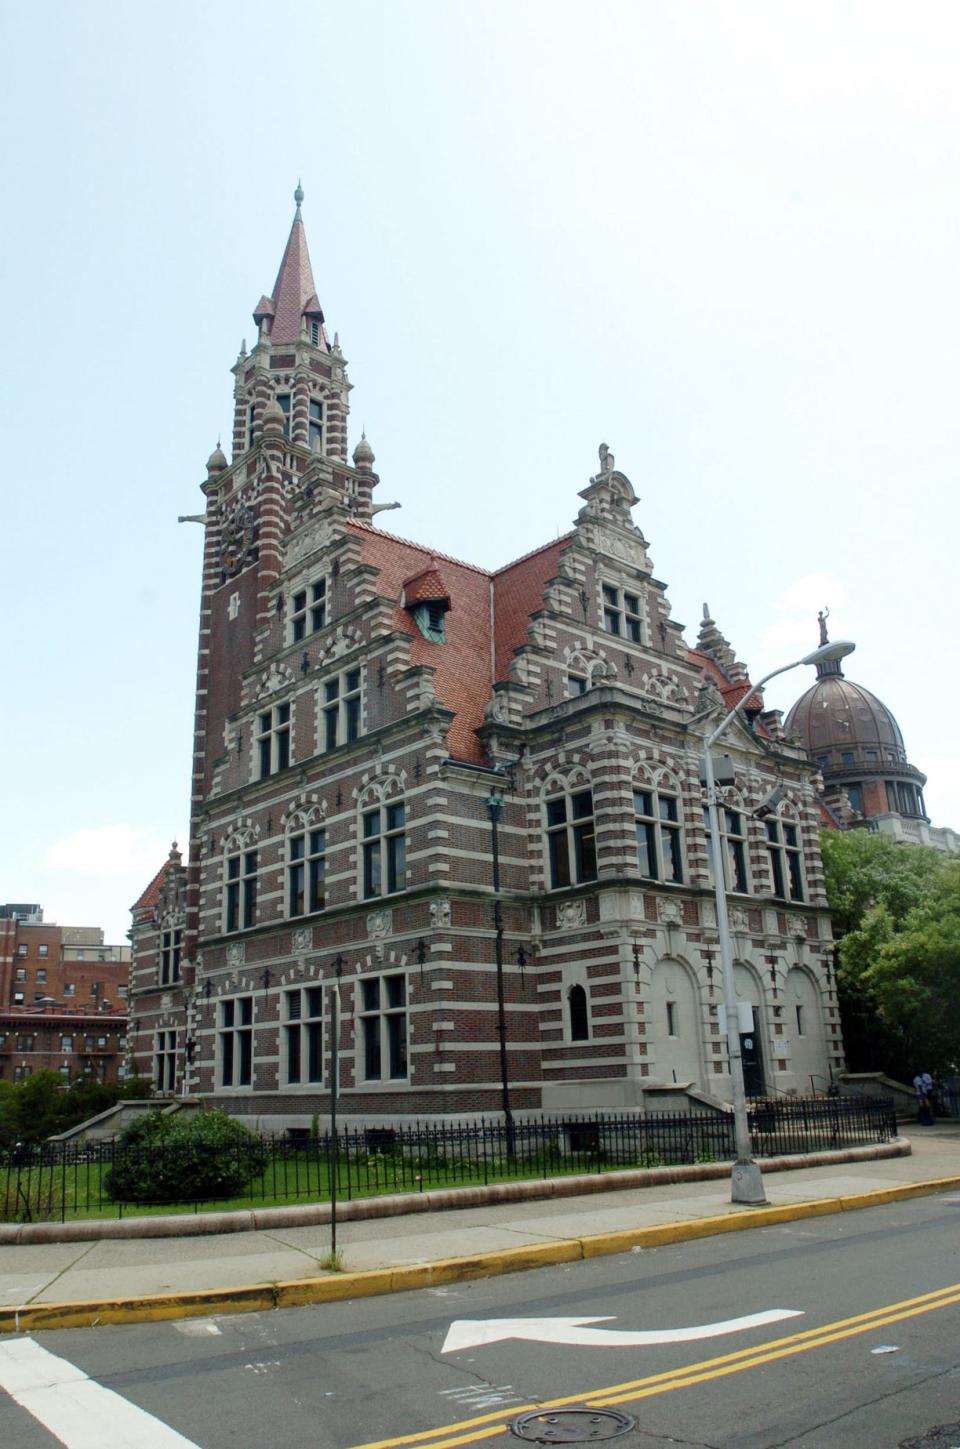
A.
x: 674, y: 1024
x: 751, y: 1044
x: 805, y: 1025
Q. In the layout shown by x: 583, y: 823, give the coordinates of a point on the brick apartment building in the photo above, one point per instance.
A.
x: 62, y: 998
x: 384, y: 735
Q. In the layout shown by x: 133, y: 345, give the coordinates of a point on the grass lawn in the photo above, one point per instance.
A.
x: 78, y: 1191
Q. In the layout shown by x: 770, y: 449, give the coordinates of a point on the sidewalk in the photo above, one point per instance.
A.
x: 141, y: 1278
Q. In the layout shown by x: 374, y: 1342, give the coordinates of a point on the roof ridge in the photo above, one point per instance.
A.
x: 426, y: 548
x: 532, y: 553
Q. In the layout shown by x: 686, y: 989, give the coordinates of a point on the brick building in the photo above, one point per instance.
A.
x: 383, y: 733
x: 62, y: 998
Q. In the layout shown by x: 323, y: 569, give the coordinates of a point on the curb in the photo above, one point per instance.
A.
x: 256, y: 1297
x: 308, y: 1215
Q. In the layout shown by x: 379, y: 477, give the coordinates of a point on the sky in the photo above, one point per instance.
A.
x: 719, y: 237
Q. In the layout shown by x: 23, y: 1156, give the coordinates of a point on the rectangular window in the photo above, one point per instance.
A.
x: 799, y: 1010
x: 20, y: 974
x: 671, y: 1018
x: 251, y: 414
x: 571, y: 839
x: 66, y: 1043
x: 309, y: 609
x: 384, y: 850
x: 283, y: 402
x: 273, y: 740
x: 734, y: 849
x: 621, y: 614
x: 171, y: 946
x: 383, y: 1027
x: 341, y: 709
x: 658, y: 835
x: 69, y: 988
x: 306, y: 872
x: 783, y: 850
x: 240, y: 894
x: 41, y: 976
x: 236, y: 1042
x: 577, y: 684
x: 21, y: 950
x: 303, y: 1032
x: 316, y: 424
x: 165, y: 1061
x: 43, y: 952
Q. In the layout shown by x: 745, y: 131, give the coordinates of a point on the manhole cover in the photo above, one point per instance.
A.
x: 941, y: 1436
x: 571, y: 1426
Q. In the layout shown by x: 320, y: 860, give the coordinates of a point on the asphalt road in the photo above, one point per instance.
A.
x: 871, y: 1359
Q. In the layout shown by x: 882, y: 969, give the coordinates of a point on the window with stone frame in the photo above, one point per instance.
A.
x: 658, y: 832
x: 308, y: 609
x: 383, y: 1027
x: 240, y: 891
x: 165, y: 1061
x: 341, y: 705
x: 251, y: 417
x: 621, y: 613
x: 578, y: 1010
x: 576, y: 684
x: 303, y: 1035
x: 786, y: 859
x: 733, y: 840
x: 235, y: 1042
x: 273, y: 740
x: 284, y: 404
x: 384, y: 849
x: 171, y: 948
x: 315, y: 423
x: 571, y: 837
x: 306, y: 871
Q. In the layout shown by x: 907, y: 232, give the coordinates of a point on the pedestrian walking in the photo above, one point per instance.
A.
x: 923, y: 1086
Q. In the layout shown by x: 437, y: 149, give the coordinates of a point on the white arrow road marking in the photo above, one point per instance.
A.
x: 80, y: 1413
x: 472, y: 1332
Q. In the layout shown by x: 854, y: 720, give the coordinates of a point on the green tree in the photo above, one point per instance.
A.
x: 896, y: 914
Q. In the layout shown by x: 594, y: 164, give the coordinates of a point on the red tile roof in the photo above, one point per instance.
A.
x: 731, y: 690
x: 151, y: 896
x: 462, y: 677
x: 518, y: 593
x: 425, y: 586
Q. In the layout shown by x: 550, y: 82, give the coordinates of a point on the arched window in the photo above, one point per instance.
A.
x: 579, y: 1014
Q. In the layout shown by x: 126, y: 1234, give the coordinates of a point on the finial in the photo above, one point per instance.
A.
x: 706, y: 611
x: 822, y: 618
x: 298, y: 198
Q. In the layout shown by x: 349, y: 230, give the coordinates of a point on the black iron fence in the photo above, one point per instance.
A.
x: 61, y: 1181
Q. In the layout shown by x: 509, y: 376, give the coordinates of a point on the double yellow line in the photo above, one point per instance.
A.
x: 487, y: 1426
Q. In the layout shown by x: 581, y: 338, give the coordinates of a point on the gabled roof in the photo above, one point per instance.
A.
x: 151, y: 896
x: 518, y: 593
x: 462, y: 671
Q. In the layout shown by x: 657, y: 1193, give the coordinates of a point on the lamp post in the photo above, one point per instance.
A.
x: 494, y: 805
x: 746, y: 1185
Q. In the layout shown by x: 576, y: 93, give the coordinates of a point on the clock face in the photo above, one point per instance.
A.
x: 238, y: 536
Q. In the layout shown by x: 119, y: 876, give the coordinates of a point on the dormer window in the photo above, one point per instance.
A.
x: 283, y: 403
x: 315, y: 333
x: 316, y: 425
x: 428, y: 618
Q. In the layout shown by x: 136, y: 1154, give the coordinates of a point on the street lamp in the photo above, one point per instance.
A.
x: 495, y: 805
x: 746, y: 1185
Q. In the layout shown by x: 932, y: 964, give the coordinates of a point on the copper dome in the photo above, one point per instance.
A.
x: 842, y: 723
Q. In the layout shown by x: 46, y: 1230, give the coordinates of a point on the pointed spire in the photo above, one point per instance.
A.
x: 294, y: 292
x: 711, y: 641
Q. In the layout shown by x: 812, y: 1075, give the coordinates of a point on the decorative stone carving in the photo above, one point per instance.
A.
x: 306, y: 542
x: 797, y: 928
x: 671, y: 913
x: 236, y: 954
x: 739, y: 920
x: 302, y: 939
x: 440, y: 914
x: 570, y: 914
x: 379, y: 924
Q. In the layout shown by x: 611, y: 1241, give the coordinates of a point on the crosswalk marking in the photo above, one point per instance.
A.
x: 79, y: 1412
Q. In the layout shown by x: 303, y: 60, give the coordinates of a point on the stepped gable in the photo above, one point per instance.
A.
x: 461, y: 665
x: 731, y: 690
x: 518, y: 592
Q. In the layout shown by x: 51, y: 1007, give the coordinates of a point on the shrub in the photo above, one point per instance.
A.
x: 167, y: 1157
